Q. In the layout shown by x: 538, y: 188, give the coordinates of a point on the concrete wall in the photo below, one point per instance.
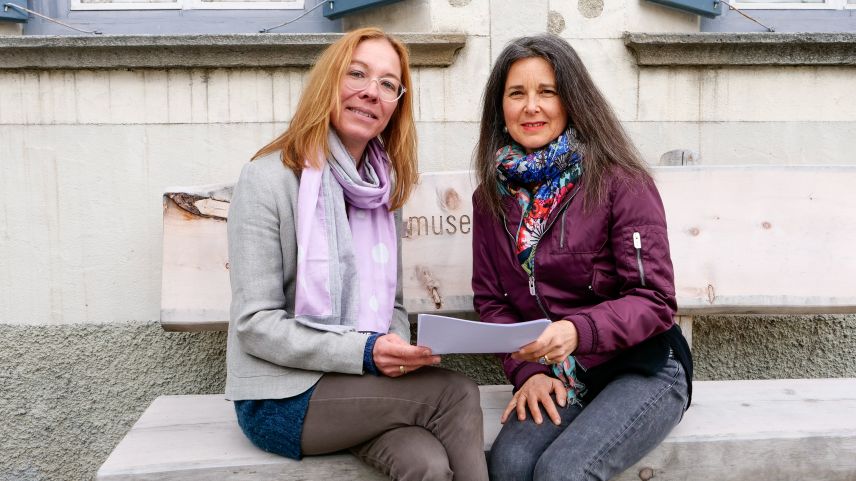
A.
x: 70, y: 392
x: 86, y: 154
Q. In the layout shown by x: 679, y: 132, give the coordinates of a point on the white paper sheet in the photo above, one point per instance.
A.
x: 448, y: 335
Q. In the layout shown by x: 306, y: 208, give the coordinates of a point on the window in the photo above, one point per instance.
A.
x: 794, y: 4
x: 185, y: 4
x: 199, y: 17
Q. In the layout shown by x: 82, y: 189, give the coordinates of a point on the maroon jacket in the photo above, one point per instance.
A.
x: 618, y: 291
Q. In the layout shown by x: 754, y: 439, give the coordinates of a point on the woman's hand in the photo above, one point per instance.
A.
x: 395, y: 357
x: 556, y: 343
x: 536, y: 390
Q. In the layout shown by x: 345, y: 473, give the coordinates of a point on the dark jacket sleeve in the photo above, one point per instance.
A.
x: 645, y: 304
x: 489, y: 298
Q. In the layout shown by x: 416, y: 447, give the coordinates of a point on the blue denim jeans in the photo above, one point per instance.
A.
x: 624, y: 422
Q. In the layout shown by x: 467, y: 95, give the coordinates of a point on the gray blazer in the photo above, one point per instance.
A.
x: 271, y: 354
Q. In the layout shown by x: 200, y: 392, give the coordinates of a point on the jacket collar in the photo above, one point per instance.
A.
x: 512, y: 212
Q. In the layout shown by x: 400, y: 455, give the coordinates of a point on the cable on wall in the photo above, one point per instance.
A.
x: 321, y: 3
x: 731, y: 7
x: 6, y: 6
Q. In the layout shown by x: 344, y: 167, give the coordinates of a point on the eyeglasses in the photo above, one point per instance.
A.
x: 389, y: 89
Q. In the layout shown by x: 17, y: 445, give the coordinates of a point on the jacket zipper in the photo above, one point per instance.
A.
x: 562, y: 233
x: 637, y: 244
x: 532, y: 290
x: 546, y: 316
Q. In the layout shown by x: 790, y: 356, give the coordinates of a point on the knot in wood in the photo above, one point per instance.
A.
x: 646, y: 473
x: 450, y: 200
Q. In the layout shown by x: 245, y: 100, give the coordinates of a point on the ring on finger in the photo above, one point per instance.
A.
x: 547, y: 358
x: 402, y: 370
x: 543, y: 360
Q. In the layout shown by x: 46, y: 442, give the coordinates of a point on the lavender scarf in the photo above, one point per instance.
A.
x: 373, y: 235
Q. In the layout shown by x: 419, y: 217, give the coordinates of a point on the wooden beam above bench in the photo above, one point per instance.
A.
x: 744, y: 239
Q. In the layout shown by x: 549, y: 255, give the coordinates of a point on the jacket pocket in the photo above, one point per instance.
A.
x: 646, y: 257
x: 577, y: 234
x: 637, y: 246
x: 604, y: 285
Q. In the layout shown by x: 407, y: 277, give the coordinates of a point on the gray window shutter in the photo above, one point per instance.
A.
x: 705, y: 8
x: 11, y: 14
x: 340, y: 8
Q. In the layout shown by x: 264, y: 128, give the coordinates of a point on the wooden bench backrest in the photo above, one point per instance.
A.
x: 744, y: 239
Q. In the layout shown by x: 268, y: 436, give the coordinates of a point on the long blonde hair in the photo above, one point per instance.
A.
x: 306, y: 135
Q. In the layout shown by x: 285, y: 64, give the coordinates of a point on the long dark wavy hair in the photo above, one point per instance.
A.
x: 607, y: 149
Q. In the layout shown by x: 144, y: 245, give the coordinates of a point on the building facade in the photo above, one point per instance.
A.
x: 94, y: 128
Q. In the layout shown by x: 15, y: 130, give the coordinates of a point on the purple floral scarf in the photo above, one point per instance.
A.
x: 539, y: 181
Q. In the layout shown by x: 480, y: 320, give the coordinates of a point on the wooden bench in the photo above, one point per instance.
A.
x: 758, y: 240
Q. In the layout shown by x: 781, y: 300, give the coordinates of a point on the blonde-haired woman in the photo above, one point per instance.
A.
x: 319, y: 358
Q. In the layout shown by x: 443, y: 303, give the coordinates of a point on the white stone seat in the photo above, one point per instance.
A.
x: 735, y: 430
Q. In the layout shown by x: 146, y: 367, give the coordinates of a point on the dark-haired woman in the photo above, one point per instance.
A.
x: 569, y: 226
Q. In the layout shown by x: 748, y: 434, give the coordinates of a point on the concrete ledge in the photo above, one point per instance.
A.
x: 200, y: 51
x: 729, y: 49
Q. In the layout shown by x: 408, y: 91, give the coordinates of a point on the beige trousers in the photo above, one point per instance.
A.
x: 425, y: 425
